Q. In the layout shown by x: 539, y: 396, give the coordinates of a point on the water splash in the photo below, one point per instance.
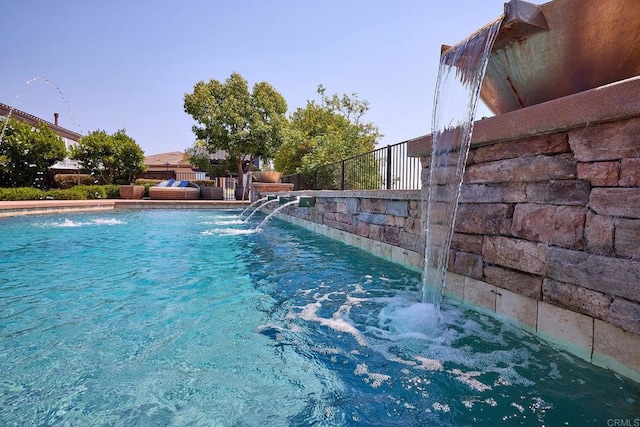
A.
x: 266, y: 220
x: 460, y: 76
x: 21, y: 91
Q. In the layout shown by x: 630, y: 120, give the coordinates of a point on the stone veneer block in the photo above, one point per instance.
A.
x: 517, y: 307
x: 483, y: 218
x: 630, y: 173
x: 480, y: 293
x: 454, y: 286
x: 567, y: 329
x: 518, y: 254
x: 600, y: 174
x: 576, y: 298
x: 616, y: 349
x: 614, y: 276
x: 522, y: 283
x: 607, y: 141
x: 598, y: 233
x: 626, y: 238
x: 555, y: 225
x: 524, y: 169
x: 606, y: 201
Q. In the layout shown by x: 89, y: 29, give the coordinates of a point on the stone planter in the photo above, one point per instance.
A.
x: 132, y: 191
x: 267, y: 176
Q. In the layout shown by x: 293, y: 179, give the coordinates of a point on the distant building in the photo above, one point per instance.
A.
x: 174, y: 164
x: 69, y: 137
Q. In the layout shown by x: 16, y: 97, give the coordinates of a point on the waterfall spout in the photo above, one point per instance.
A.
x: 460, y: 75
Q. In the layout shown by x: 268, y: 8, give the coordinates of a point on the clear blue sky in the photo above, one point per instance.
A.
x: 128, y: 63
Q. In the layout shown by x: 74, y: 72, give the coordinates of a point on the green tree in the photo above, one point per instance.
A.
x: 112, y: 159
x: 27, y: 153
x: 231, y: 118
x: 325, y: 132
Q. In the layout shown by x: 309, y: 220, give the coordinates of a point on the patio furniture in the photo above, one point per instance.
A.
x: 175, y: 190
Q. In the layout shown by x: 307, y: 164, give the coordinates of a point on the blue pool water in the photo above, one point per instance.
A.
x: 191, y: 318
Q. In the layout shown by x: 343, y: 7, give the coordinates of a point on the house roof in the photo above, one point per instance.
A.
x: 6, y: 111
x: 172, y: 159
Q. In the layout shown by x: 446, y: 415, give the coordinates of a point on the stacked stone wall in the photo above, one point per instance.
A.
x: 557, y: 218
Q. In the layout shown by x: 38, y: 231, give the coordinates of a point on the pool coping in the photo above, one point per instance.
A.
x: 43, y: 207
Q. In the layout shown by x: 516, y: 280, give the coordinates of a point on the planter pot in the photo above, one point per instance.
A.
x: 131, y: 191
x: 241, y: 193
x: 267, y: 176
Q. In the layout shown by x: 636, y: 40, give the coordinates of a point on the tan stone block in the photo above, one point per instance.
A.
x: 566, y: 328
x: 480, y: 293
x: 520, y: 308
x: 454, y: 286
x: 616, y: 349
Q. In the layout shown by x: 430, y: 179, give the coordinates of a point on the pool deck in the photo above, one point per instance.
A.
x: 42, y: 207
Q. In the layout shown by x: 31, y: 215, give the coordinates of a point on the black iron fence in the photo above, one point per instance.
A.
x: 385, y: 168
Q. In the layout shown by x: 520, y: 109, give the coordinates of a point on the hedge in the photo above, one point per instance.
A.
x: 79, y: 192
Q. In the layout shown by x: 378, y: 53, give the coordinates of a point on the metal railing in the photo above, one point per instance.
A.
x: 387, y: 168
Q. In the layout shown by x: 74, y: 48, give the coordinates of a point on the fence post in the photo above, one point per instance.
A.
x: 342, y: 175
x: 389, y: 164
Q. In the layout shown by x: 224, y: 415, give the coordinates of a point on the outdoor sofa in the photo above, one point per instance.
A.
x: 175, y: 190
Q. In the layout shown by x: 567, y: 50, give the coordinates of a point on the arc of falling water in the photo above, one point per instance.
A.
x: 250, y: 206
x: 460, y: 76
x: 258, y: 208
x: 268, y: 217
x: 21, y: 91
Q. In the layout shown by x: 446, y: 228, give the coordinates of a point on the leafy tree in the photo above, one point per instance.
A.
x: 231, y: 118
x: 325, y: 132
x: 27, y: 152
x: 112, y: 159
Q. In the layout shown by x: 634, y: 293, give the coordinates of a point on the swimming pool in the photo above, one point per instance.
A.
x: 158, y: 317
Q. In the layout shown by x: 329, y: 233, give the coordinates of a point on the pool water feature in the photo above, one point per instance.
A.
x: 195, y: 318
x: 460, y: 76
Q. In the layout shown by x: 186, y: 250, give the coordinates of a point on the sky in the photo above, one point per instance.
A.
x: 127, y: 64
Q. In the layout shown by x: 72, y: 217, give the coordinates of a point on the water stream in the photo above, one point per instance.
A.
x: 268, y: 217
x: 259, y: 208
x: 460, y: 76
x: 252, y: 205
x: 21, y: 91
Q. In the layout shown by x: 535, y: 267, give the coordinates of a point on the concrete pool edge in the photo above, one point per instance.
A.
x: 44, y: 207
